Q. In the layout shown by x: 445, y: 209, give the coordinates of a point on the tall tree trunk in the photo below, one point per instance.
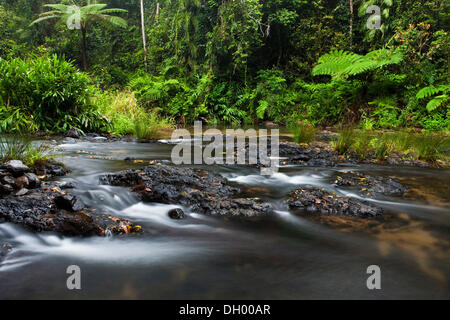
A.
x: 144, y: 42
x: 351, y: 24
x: 84, y: 49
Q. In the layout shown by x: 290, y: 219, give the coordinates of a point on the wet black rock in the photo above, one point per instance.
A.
x: 69, y: 202
x: 22, y: 192
x: 22, y: 182
x: 7, y: 179
x: 33, y: 180
x: 5, y: 189
x: 50, y: 168
x: 37, y: 211
x: 369, y: 184
x: 322, y: 202
x: 176, y: 214
x: 308, y: 156
x: 199, y: 190
x: 5, y: 248
x: 16, y: 167
x: 73, y: 133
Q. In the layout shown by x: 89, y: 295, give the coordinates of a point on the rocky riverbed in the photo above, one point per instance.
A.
x: 199, y: 190
x: 44, y: 206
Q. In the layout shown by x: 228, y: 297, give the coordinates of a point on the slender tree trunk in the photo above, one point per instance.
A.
x: 144, y: 42
x: 351, y: 24
x: 84, y: 49
x: 157, y: 11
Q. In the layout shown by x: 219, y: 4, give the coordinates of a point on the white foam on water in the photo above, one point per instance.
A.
x: 278, y: 178
x: 116, y: 250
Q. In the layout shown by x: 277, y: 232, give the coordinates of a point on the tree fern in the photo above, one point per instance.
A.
x: 437, y: 101
x: 341, y: 64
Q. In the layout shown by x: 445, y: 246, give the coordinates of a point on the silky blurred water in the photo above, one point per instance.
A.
x: 282, y: 256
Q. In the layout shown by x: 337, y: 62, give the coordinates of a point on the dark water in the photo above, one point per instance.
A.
x: 283, y: 256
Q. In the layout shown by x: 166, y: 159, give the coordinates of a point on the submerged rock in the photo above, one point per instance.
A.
x: 199, y: 190
x: 5, y: 248
x: 370, y: 184
x: 320, y: 201
x: 176, y: 214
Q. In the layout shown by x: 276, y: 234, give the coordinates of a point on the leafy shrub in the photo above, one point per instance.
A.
x: 386, y: 113
x: 48, y: 90
x: 14, y: 120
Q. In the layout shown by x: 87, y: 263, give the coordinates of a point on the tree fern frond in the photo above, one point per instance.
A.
x: 113, y: 10
x: 43, y: 19
x: 58, y: 6
x: 437, y: 102
x: 427, y: 92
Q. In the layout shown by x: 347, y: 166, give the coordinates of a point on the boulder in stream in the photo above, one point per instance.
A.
x: 176, y: 214
x: 322, y: 202
x: 41, y: 206
x: 369, y: 184
x: 199, y: 190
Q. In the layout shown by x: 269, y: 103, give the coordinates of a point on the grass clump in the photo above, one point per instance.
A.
x: 151, y: 126
x: 19, y: 147
x: 303, y: 132
x: 344, y: 141
x: 127, y: 117
x: 362, y: 144
x: 431, y: 147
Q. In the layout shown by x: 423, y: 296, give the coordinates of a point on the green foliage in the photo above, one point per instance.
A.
x: 45, y: 93
x: 341, y: 64
x: 151, y: 127
x: 303, y: 132
x: 346, y: 138
x: 431, y: 147
x: 238, y: 61
x: 437, y: 101
x: 362, y: 144
x: 386, y: 113
x: 20, y: 147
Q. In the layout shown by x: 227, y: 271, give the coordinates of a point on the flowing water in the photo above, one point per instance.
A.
x: 281, y: 256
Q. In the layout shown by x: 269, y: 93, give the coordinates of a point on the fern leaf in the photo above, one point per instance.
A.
x: 436, y: 102
x: 427, y: 92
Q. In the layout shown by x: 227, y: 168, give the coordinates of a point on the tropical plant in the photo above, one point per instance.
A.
x: 46, y: 93
x: 436, y: 101
x: 151, y: 126
x: 342, y: 64
x: 89, y: 14
x: 303, y: 132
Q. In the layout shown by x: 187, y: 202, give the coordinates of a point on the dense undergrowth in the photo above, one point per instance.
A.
x: 229, y: 62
